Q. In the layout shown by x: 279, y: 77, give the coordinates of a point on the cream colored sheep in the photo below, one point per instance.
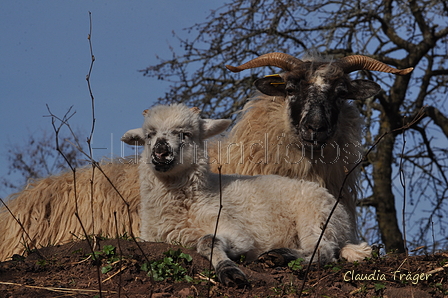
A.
x: 46, y: 208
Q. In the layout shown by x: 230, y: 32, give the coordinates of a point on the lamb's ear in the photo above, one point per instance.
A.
x: 213, y: 127
x: 134, y: 137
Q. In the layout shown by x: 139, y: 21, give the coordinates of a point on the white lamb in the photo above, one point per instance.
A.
x: 180, y: 201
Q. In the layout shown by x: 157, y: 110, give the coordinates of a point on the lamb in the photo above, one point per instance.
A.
x: 180, y: 200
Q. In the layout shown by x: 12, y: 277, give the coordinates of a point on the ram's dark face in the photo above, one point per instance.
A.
x: 315, y: 94
x: 315, y: 90
x: 314, y: 100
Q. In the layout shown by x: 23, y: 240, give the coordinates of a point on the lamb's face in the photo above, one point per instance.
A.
x: 171, y: 139
x: 168, y: 150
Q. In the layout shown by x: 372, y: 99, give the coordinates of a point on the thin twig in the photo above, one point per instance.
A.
x: 92, y: 100
x: 433, y: 238
x: 89, y: 140
x: 120, y: 252
x: 403, y: 184
x: 216, y: 229
x: 118, y: 272
x: 54, y: 289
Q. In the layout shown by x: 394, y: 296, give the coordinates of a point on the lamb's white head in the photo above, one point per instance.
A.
x: 173, y: 137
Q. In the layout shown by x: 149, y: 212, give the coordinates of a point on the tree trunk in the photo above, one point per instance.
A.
x: 386, y: 214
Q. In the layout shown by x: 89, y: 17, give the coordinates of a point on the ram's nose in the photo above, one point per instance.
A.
x: 315, y: 129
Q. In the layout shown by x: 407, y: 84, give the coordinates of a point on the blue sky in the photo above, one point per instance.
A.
x: 44, y: 59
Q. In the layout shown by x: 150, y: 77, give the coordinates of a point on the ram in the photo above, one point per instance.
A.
x: 181, y: 199
x: 302, y: 125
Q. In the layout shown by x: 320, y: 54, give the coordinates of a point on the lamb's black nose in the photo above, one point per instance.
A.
x: 162, y: 151
x: 162, y: 155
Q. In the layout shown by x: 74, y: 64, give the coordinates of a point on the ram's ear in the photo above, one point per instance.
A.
x: 362, y: 89
x: 134, y: 137
x: 213, y: 127
x: 271, y: 85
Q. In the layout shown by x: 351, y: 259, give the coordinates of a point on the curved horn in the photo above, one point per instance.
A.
x: 284, y: 61
x: 359, y: 62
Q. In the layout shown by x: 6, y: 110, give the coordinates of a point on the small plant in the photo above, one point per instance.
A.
x: 108, y: 254
x: 125, y: 236
x: 18, y: 258
x: 363, y: 288
x: 209, y: 274
x: 439, y: 287
x: 333, y: 267
x: 78, y: 251
x: 169, y: 267
x: 109, y: 250
x: 296, y: 264
x: 242, y: 259
x: 379, y: 287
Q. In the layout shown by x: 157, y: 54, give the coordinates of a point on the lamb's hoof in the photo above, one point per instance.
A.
x: 230, y: 275
x: 277, y: 257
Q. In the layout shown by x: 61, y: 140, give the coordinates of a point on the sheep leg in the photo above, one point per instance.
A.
x: 281, y: 257
x: 278, y: 257
x: 227, y: 271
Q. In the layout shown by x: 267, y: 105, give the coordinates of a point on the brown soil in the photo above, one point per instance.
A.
x: 67, y: 270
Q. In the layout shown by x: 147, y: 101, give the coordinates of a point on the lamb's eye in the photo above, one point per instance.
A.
x: 185, y: 135
x: 150, y: 134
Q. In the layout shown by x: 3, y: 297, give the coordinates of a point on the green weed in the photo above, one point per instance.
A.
x: 296, y: 264
x: 169, y: 267
x: 333, y: 267
x: 108, y: 255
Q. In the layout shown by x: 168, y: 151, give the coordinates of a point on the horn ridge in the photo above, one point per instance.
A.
x: 284, y: 61
x: 359, y: 62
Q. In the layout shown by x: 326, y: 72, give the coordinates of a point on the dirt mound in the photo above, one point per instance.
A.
x: 122, y: 269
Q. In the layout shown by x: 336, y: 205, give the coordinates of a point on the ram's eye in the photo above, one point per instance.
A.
x: 289, y: 91
x: 341, y: 91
